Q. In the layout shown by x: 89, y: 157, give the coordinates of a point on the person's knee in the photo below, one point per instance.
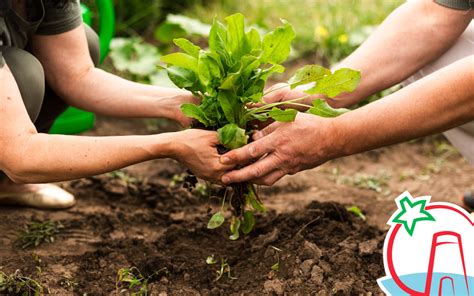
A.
x: 94, y: 45
x: 29, y: 76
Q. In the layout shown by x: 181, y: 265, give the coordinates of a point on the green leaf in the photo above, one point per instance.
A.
x: 234, y: 228
x: 193, y: 111
x: 343, y: 80
x: 181, y: 77
x: 277, y: 44
x: 182, y: 60
x: 230, y: 105
x: 254, y: 39
x: 252, y: 199
x: 208, y: 69
x: 308, y: 74
x: 276, y: 266
x: 229, y: 82
x: 248, y: 223
x: 232, y: 136
x: 217, y: 37
x: 237, y: 44
x: 321, y: 108
x: 216, y: 220
x: 287, y: 115
x: 357, y: 211
x: 273, y: 69
x: 187, y: 46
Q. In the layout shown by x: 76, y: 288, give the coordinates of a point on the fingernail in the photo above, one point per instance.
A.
x: 225, y: 179
x: 225, y: 159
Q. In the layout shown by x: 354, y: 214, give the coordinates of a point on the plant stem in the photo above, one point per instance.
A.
x: 269, y: 106
x: 275, y: 89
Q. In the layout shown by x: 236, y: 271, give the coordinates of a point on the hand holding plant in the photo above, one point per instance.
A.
x: 230, y: 76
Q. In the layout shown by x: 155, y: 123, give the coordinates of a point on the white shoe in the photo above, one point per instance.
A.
x: 41, y: 196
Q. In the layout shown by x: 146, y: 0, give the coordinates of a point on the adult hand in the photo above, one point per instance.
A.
x: 197, y: 150
x: 173, y: 104
x: 284, y: 148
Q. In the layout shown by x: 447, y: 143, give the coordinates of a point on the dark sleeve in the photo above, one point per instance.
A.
x: 457, y: 4
x: 60, y: 19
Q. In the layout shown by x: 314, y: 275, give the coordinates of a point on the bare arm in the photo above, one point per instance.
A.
x: 438, y: 102
x: 70, y: 72
x: 30, y: 157
x: 435, y: 103
x: 415, y: 34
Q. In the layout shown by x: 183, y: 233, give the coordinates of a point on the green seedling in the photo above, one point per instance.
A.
x: 37, y: 232
x: 130, y: 281
x: 123, y: 176
x: 276, y: 266
x: 356, y: 211
x: 17, y: 284
x: 223, y: 269
x: 230, y: 76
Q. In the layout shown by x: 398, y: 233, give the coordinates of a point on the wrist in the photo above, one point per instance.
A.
x: 168, y: 106
x: 337, y: 143
x: 166, y: 145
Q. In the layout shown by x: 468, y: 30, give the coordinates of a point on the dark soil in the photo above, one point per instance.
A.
x: 161, y: 231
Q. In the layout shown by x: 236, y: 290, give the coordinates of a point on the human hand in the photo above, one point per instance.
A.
x: 284, y: 148
x: 173, y: 106
x: 197, y: 150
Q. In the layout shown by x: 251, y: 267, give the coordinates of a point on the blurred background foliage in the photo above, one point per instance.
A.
x: 327, y: 30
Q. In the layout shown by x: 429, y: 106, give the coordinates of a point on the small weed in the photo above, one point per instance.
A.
x: 17, y: 284
x: 276, y: 266
x: 356, y: 211
x: 123, y: 176
x: 223, y: 269
x: 37, y: 232
x: 130, y: 281
x: 376, y: 183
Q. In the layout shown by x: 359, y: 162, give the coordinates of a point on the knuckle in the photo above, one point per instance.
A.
x: 257, y: 172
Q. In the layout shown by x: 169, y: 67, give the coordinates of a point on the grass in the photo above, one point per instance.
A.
x: 17, y: 284
x: 331, y: 28
x: 38, y: 232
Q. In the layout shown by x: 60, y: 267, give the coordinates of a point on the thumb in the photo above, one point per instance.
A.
x: 266, y: 131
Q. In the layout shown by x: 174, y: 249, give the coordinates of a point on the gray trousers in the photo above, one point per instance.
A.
x: 41, y: 102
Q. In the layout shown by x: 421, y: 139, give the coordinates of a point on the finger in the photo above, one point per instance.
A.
x: 247, y: 153
x: 266, y: 131
x: 270, y: 179
x: 254, y: 171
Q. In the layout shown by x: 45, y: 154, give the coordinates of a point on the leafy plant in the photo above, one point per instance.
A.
x: 224, y: 268
x: 37, y: 232
x: 130, y: 281
x: 231, y: 75
x: 17, y: 284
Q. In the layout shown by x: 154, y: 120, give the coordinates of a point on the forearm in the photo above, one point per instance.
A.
x: 415, y: 34
x: 107, y: 94
x: 438, y: 102
x: 41, y: 158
